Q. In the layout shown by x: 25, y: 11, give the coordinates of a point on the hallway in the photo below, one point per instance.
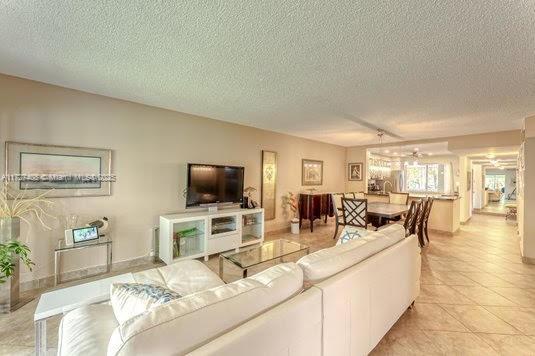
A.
x: 476, y: 296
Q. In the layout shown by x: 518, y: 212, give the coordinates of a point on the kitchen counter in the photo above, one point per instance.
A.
x: 419, y: 196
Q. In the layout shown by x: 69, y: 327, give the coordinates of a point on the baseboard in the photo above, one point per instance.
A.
x: 47, y: 282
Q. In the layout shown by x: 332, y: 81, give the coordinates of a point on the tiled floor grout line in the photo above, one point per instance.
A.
x: 497, y: 316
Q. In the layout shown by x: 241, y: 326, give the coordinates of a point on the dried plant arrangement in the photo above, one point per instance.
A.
x: 21, y: 206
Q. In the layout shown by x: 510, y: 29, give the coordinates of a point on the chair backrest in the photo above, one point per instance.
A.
x: 420, y: 215
x: 410, y: 220
x: 358, y: 195
x: 428, y: 209
x: 337, y: 201
x: 398, y: 198
x: 355, y: 212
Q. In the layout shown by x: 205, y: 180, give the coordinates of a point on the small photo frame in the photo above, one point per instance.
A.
x: 84, y: 234
x: 354, y: 171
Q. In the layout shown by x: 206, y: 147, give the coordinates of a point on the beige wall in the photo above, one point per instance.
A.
x: 150, y: 149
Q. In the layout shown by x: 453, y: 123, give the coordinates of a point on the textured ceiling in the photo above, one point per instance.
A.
x: 420, y: 69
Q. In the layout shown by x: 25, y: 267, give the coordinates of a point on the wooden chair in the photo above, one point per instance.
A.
x: 355, y: 212
x: 426, y: 217
x: 398, y: 198
x: 356, y: 195
x: 337, y: 207
x: 410, y: 220
x: 355, y: 219
x: 418, y: 225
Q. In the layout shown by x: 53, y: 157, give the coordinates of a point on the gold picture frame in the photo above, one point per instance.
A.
x: 269, y: 184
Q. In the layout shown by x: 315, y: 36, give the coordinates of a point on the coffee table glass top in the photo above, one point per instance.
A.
x: 266, y: 252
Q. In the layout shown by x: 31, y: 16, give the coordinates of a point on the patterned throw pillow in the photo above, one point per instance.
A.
x: 131, y: 299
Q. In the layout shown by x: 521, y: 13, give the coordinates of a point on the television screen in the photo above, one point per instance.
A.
x: 210, y: 184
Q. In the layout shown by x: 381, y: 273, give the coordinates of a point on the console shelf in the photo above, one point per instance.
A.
x: 202, y: 233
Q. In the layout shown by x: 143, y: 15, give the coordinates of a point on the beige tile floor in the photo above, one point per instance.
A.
x: 476, y: 297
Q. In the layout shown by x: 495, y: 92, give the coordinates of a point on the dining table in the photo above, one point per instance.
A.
x: 381, y: 211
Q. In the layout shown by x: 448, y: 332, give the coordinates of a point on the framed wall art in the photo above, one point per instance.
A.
x: 269, y: 182
x: 312, y: 172
x: 67, y: 171
x: 354, y: 171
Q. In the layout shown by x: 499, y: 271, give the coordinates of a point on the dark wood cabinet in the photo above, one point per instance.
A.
x: 315, y: 206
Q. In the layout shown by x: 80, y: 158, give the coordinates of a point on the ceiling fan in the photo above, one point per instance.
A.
x: 380, y: 131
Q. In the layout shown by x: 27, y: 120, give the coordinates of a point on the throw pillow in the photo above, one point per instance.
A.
x: 131, y: 299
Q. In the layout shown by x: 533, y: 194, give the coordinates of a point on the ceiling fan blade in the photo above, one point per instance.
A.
x: 372, y: 126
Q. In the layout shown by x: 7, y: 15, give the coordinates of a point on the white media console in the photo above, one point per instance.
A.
x: 202, y: 233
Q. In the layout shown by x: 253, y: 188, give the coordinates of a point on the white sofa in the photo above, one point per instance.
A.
x: 337, y: 301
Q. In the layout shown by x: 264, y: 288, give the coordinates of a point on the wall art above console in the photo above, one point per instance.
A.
x: 66, y: 171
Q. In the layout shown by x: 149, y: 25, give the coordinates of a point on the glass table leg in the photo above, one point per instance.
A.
x: 40, y: 337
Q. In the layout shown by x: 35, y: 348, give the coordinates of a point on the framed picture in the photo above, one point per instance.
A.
x: 312, y: 172
x: 269, y: 181
x: 67, y: 171
x: 354, y: 171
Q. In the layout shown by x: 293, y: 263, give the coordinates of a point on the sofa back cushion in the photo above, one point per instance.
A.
x: 182, y: 325
x: 325, y: 263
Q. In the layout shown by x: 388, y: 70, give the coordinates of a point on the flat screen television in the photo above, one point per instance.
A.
x: 211, y: 184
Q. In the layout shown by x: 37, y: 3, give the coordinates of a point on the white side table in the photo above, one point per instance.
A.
x: 63, y: 300
x: 62, y: 248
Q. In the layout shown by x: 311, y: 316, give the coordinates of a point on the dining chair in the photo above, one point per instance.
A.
x: 410, y: 218
x: 426, y: 217
x: 336, y: 199
x: 350, y: 195
x: 358, y: 195
x: 355, y: 219
x: 398, y: 198
x: 419, y: 223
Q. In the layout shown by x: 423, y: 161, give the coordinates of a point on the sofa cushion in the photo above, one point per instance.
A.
x: 131, y: 299
x: 86, y: 331
x: 327, y: 262
x: 184, y: 277
x: 184, y: 324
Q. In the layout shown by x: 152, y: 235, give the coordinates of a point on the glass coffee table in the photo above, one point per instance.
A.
x: 268, y: 251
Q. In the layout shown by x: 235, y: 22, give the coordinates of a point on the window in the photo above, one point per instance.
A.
x: 495, y: 181
x: 425, y: 177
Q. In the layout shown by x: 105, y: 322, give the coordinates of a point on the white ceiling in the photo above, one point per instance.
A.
x: 420, y: 69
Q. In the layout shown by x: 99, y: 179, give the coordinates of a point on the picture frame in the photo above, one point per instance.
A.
x: 268, y: 187
x: 311, y: 172
x: 67, y: 171
x: 354, y: 171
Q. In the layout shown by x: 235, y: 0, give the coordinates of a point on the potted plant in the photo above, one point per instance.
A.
x: 291, y: 203
x: 14, y: 208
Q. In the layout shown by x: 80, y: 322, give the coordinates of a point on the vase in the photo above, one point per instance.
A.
x: 10, y: 289
x: 294, y: 227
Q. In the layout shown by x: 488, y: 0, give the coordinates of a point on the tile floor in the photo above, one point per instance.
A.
x: 496, y: 208
x: 476, y: 297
